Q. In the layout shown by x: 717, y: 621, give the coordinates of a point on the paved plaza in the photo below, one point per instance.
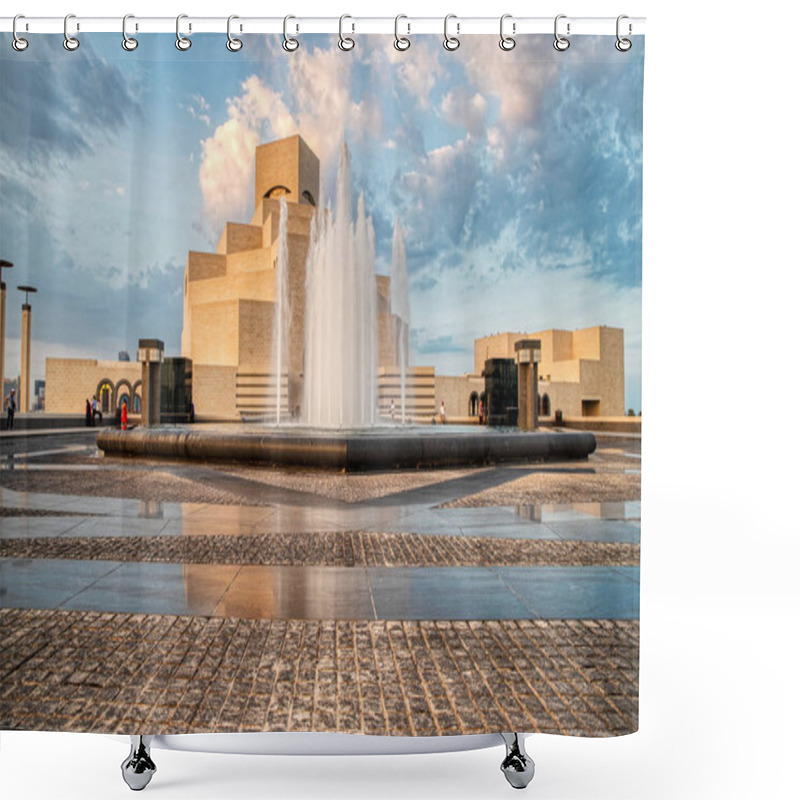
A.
x: 179, y: 597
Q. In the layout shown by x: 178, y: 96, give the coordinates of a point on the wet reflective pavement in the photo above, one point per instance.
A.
x: 256, y: 592
x: 319, y: 592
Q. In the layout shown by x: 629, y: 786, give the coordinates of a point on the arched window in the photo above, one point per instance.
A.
x: 105, y: 395
x: 276, y: 191
x: 545, y: 405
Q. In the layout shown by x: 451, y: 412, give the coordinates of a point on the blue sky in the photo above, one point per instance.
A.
x: 517, y: 177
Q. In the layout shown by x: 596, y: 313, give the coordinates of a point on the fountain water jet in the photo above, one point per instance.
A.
x: 341, y: 353
x: 401, y: 308
x: 282, y: 314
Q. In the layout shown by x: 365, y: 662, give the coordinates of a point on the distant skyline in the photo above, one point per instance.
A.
x: 516, y: 176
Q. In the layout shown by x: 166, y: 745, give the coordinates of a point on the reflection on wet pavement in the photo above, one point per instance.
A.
x: 317, y: 592
x: 255, y: 592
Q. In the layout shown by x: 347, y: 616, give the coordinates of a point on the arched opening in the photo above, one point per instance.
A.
x: 137, y: 397
x: 545, y: 405
x: 122, y: 389
x: 123, y: 398
x: 473, y: 404
x: 105, y: 395
x: 276, y: 191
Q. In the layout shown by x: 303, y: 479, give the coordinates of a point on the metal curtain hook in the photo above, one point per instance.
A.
x: 19, y: 44
x: 289, y: 44
x: 345, y: 42
x: 507, y: 42
x: 623, y: 45
x: 181, y: 42
x: 401, y: 42
x: 233, y: 44
x: 451, y: 42
x: 128, y: 42
x: 70, y: 42
x: 561, y: 43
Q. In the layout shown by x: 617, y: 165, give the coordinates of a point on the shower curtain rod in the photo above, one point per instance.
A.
x: 299, y: 25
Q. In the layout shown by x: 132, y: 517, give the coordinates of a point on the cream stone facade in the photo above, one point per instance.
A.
x: 229, y: 297
x: 71, y: 381
x: 581, y: 373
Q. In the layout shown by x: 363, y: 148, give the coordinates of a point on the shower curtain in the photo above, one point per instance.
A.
x: 263, y: 277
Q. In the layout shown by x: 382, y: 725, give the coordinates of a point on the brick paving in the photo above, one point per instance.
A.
x: 341, y: 549
x: 139, y: 673
x: 134, y: 484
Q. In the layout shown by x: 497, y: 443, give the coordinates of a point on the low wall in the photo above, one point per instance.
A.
x: 34, y: 422
x: 600, y: 424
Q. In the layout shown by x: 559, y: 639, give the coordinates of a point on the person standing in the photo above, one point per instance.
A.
x: 124, y: 415
x: 11, y: 407
x: 442, y: 414
x: 88, y: 413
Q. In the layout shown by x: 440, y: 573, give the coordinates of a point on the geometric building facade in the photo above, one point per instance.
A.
x: 581, y: 373
x: 229, y: 296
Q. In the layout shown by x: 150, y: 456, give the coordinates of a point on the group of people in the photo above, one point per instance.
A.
x: 94, y: 413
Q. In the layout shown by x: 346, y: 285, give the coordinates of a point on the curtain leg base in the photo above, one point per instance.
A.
x: 517, y: 766
x: 138, y: 768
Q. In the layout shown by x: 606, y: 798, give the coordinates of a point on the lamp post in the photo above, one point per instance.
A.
x: 529, y: 354
x: 25, y: 353
x: 3, y: 265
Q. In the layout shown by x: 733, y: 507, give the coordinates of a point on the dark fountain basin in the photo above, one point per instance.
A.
x: 378, y: 448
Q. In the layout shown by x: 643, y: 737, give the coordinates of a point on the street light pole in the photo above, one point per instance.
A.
x: 25, y: 353
x: 3, y: 265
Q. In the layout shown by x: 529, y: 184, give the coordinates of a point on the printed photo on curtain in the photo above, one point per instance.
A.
x: 321, y: 386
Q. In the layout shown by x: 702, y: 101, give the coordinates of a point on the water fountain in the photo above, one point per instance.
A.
x: 340, y: 383
x: 282, y: 316
x: 401, y: 307
x: 340, y: 425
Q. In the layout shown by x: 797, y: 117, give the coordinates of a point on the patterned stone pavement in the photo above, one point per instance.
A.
x: 126, y: 673
x: 335, y: 549
x: 271, y: 667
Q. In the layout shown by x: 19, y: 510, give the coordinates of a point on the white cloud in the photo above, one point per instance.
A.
x: 466, y: 109
x: 515, y: 79
x: 317, y: 103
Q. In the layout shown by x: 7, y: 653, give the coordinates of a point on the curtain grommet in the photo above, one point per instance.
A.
x: 623, y: 45
x: 289, y: 44
x: 18, y: 43
x: 507, y: 43
x: 182, y: 42
x: 401, y: 43
x: 233, y: 44
x: 451, y: 43
x: 70, y: 43
x: 560, y: 43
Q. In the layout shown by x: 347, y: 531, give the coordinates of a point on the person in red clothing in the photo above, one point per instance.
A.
x: 124, y: 415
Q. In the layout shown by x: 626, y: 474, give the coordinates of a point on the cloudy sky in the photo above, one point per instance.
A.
x: 517, y: 178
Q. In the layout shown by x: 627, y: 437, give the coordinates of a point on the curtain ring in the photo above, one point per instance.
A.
x: 233, y: 44
x: 289, y: 44
x: 181, y: 42
x: 623, y: 45
x: 345, y: 42
x: 451, y: 42
x: 70, y: 42
x: 561, y: 43
x: 401, y: 43
x: 128, y: 42
x: 19, y: 44
x: 507, y: 42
